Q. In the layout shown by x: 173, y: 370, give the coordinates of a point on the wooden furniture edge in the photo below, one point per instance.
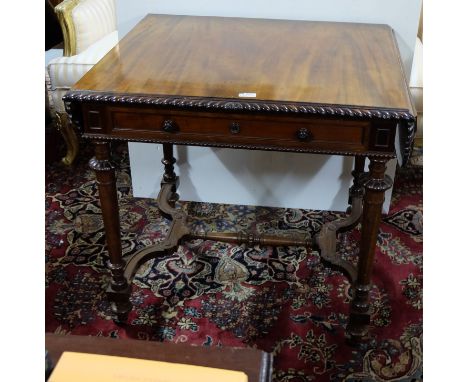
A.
x: 237, y: 105
x: 98, y: 137
x: 57, y: 343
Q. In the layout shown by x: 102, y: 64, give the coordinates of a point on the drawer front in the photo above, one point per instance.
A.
x: 238, y: 130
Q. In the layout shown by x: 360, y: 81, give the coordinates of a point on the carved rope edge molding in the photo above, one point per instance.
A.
x: 237, y: 105
x: 80, y: 96
x: 407, y: 141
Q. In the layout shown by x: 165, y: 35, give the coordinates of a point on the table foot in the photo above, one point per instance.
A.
x: 358, y: 335
x: 359, y: 317
x: 357, y: 330
x: 120, y: 303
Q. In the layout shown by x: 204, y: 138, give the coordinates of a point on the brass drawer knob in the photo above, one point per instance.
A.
x: 169, y: 126
x: 234, y: 127
x: 303, y: 134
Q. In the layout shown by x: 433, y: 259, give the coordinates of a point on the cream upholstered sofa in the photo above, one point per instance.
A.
x: 416, y: 83
x: 89, y: 31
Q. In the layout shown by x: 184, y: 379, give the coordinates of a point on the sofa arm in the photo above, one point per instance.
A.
x: 64, y: 15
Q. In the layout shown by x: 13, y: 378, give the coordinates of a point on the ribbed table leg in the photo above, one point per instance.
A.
x: 375, y: 187
x: 119, y: 289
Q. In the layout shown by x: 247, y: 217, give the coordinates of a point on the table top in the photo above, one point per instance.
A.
x: 255, y: 363
x: 279, y: 61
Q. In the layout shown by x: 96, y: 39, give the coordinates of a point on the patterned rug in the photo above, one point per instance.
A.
x: 283, y: 300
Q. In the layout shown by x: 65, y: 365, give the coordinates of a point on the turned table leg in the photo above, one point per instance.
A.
x: 357, y: 189
x: 119, y: 289
x: 169, y: 174
x: 375, y: 186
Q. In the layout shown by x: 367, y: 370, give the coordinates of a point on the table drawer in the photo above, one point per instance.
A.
x: 240, y: 129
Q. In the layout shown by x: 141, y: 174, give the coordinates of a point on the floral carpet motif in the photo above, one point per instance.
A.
x: 281, y: 300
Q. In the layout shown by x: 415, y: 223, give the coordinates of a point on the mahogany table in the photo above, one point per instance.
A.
x: 299, y: 86
x: 253, y: 362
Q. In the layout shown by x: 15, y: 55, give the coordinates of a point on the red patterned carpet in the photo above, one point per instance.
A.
x: 215, y: 294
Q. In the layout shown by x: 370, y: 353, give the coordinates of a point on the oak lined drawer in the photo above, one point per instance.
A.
x: 240, y: 129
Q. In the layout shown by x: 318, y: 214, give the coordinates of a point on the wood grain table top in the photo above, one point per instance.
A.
x: 306, y: 62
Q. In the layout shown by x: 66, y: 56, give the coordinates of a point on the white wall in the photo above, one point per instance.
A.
x: 401, y: 15
x: 264, y: 178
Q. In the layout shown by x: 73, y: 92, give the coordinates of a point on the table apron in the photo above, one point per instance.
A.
x: 246, y: 131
